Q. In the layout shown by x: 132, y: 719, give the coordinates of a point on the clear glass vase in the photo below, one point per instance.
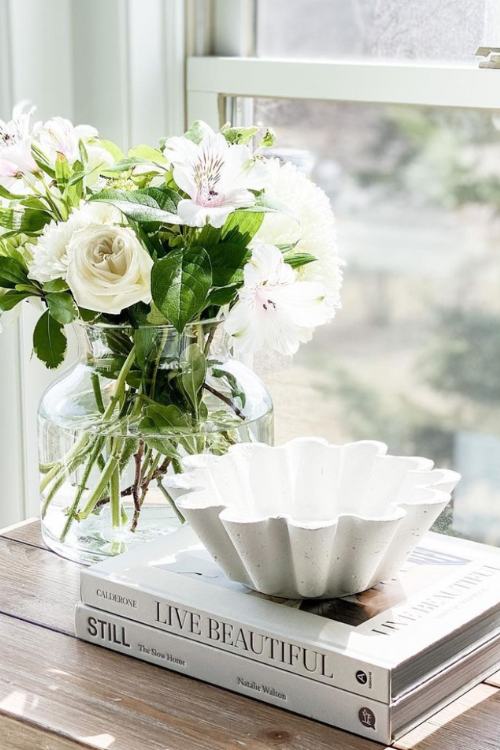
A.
x: 137, y: 402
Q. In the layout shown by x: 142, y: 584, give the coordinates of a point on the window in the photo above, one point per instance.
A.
x: 402, y: 29
x: 410, y: 156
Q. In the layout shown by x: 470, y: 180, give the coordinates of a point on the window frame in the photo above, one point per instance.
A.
x: 211, y: 80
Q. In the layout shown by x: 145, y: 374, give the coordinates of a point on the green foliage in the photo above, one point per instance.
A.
x: 296, y: 260
x: 195, y: 132
x: 147, y: 205
x: 193, y: 373
x: 41, y: 161
x: 168, y: 420
x: 111, y: 148
x: 12, y: 272
x: 49, y: 341
x: 14, y: 247
x: 228, y: 247
x: 61, y: 307
x: 180, y: 284
x: 268, y: 139
x: 11, y: 298
x: 240, y: 136
x: 144, y: 338
x: 232, y: 382
x: 55, y: 285
x: 148, y: 154
x: 27, y: 220
x: 62, y: 171
x: 4, y: 193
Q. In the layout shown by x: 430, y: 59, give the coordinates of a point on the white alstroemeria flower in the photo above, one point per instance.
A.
x: 217, y: 177
x: 50, y: 253
x: 15, y: 147
x: 274, y: 309
x: 60, y: 136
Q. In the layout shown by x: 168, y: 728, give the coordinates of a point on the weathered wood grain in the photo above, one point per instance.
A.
x: 28, y: 532
x: 472, y: 722
x: 19, y: 735
x: 58, y: 693
x: 107, y: 700
x: 494, y: 680
x: 38, y: 586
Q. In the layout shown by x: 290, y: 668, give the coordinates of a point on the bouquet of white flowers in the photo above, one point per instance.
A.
x: 199, y: 231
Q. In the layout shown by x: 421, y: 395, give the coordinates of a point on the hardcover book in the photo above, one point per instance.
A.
x: 355, y: 713
x: 380, y: 644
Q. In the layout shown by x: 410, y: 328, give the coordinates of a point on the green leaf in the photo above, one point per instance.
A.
x: 84, y: 156
x: 11, y: 298
x: 147, y: 154
x: 55, y: 285
x: 11, y: 273
x: 155, y: 317
x: 167, y: 417
x: 27, y: 220
x: 89, y: 316
x: 144, y: 339
x: 243, y: 222
x: 228, y: 248
x: 124, y: 165
x: 62, y: 307
x: 166, y: 198
x: 296, y: 260
x: 193, y: 373
x: 49, y: 341
x: 4, y: 193
x: 223, y: 295
x: 31, y: 287
x: 141, y: 205
x: 111, y: 148
x: 41, y: 160
x: 196, y: 132
x: 180, y: 283
x: 62, y: 170
x: 240, y: 136
x: 268, y: 139
x: 32, y: 202
x: 236, y: 391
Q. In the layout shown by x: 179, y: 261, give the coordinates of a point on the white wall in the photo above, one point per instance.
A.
x: 118, y: 64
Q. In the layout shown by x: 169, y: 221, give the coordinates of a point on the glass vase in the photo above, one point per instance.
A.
x: 113, y: 426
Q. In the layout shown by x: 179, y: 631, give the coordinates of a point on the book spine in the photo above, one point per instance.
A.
x: 298, y: 656
x: 309, y: 698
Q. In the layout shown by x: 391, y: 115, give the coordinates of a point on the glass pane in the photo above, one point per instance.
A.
x: 406, y: 29
x: 413, y: 358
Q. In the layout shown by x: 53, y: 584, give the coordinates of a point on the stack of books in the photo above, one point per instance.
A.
x: 376, y: 663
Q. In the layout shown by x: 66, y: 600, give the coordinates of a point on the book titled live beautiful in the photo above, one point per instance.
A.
x: 316, y: 700
x: 380, y: 643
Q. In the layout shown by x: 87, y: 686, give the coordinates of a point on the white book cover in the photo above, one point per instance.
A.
x: 446, y: 598
x: 315, y: 700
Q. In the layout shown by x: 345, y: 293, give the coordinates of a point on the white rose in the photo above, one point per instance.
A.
x: 108, y: 268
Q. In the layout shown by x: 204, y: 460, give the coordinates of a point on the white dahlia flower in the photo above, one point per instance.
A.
x: 305, y: 218
x: 50, y: 254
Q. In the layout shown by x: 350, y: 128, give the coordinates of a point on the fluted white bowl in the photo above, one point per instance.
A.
x: 309, y: 518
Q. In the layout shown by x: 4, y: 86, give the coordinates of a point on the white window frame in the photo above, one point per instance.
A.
x: 210, y: 80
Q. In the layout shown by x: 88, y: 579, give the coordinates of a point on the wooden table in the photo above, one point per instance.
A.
x: 58, y: 693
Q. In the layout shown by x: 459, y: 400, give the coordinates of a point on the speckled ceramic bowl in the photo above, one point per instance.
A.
x: 308, y: 518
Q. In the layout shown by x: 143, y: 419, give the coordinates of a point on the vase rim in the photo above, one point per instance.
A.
x: 104, y: 326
